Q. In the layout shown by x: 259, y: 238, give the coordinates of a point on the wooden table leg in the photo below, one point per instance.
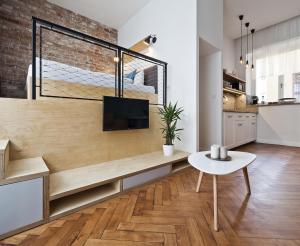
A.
x: 199, y: 181
x: 215, y: 186
x: 246, y: 176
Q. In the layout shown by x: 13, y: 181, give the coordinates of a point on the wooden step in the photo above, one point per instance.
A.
x: 25, y: 169
x: 4, y: 157
x: 69, y: 182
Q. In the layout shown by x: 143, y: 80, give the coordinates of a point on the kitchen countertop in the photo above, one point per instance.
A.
x: 238, y: 111
x: 278, y: 104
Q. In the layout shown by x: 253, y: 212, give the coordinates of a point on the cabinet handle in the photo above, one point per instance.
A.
x: 240, y: 116
x: 229, y: 116
x: 240, y: 124
x: 247, y: 116
x: 253, y: 123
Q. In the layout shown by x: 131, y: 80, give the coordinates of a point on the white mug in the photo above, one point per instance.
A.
x: 223, y: 153
x: 215, y: 151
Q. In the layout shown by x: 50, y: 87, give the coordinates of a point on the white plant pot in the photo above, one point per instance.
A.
x: 168, y: 150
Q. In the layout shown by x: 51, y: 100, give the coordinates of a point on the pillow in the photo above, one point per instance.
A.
x: 131, y: 75
x: 139, y: 78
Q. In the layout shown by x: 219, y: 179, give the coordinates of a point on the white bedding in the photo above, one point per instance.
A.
x: 57, y: 71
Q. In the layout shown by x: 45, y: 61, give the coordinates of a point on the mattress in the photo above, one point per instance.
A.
x: 61, y: 72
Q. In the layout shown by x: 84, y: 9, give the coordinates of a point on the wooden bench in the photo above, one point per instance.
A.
x: 73, y: 189
x: 70, y: 190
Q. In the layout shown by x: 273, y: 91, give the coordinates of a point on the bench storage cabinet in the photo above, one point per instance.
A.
x: 21, y: 204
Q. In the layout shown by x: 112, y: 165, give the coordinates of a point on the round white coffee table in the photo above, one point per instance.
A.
x: 240, y: 160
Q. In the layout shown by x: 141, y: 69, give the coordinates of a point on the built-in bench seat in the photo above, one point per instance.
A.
x: 71, y: 189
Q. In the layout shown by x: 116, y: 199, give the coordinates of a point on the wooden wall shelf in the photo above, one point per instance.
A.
x: 232, y: 77
x: 233, y: 91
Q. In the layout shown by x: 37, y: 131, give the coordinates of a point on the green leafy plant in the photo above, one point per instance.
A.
x: 169, y: 115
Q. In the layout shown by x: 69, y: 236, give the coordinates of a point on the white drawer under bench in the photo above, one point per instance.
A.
x: 21, y: 204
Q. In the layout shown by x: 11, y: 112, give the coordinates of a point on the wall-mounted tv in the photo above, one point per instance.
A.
x: 125, y: 113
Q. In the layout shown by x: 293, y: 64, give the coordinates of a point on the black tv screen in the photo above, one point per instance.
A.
x: 124, y: 113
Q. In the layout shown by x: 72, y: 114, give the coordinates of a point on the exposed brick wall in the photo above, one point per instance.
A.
x: 15, y: 42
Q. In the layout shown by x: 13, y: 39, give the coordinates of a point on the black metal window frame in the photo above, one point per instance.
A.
x: 119, y: 52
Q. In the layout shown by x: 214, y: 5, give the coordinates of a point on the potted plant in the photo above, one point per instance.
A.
x: 169, y: 115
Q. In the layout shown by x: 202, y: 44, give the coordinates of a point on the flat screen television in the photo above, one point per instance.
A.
x: 125, y: 113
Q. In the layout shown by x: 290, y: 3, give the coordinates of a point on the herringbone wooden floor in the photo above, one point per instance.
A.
x: 169, y: 212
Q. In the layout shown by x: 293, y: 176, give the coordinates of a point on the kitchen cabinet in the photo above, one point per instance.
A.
x: 229, y: 125
x: 238, y: 129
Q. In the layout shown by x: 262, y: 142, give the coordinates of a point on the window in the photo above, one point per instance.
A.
x: 296, y: 86
x: 277, y: 73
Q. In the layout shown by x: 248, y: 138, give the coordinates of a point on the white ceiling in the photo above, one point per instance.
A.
x: 113, y: 13
x: 260, y: 13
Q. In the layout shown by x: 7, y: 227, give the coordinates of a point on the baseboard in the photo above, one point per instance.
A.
x: 278, y: 142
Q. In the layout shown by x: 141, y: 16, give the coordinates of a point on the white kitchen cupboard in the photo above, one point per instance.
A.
x: 229, y: 125
x: 238, y: 129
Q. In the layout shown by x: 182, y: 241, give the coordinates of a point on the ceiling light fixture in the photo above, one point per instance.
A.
x: 241, y: 17
x: 252, y: 34
x: 247, y: 26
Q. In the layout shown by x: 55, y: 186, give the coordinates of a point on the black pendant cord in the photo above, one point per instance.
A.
x: 247, y: 26
x: 252, y: 34
x: 242, y: 39
x: 241, y: 57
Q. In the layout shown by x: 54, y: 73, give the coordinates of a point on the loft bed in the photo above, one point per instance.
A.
x: 84, y: 84
x: 111, y: 70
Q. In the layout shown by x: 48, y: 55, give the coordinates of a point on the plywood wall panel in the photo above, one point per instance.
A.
x: 68, y: 133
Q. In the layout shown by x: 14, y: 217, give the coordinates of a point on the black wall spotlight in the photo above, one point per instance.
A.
x: 151, y: 39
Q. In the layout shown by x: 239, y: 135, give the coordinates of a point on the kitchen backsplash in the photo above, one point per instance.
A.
x: 237, y: 103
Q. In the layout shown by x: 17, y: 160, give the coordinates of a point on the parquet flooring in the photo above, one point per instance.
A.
x: 170, y: 212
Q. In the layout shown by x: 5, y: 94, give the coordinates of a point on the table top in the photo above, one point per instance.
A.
x: 239, y: 160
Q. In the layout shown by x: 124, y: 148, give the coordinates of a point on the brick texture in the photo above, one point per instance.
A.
x: 15, y: 42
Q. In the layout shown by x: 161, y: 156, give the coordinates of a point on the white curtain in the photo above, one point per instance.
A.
x: 276, y: 73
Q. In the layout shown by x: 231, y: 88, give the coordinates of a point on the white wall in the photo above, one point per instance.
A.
x: 175, y: 24
x: 210, y: 33
x: 210, y: 21
x: 210, y: 104
x: 279, y: 125
x: 229, y: 59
